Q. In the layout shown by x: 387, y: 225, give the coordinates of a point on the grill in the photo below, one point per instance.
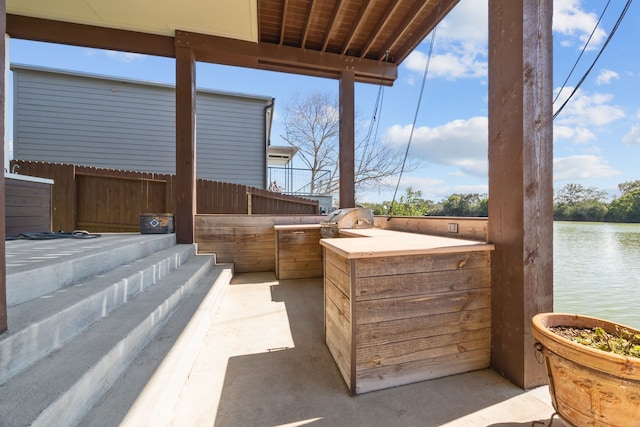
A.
x: 346, y: 218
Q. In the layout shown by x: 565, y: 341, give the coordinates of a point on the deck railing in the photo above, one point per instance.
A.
x: 300, y: 182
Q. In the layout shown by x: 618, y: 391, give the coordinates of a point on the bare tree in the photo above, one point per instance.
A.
x: 312, y: 125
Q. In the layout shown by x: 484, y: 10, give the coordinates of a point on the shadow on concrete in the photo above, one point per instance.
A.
x: 302, y: 385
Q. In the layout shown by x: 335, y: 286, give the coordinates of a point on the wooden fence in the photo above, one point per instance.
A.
x: 109, y: 200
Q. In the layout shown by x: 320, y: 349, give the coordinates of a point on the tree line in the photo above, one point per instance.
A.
x: 412, y: 204
x: 573, y: 202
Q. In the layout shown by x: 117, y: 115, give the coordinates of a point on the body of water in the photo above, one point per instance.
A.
x: 597, y: 270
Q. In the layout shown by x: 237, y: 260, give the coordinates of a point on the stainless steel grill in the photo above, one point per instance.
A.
x: 346, y: 218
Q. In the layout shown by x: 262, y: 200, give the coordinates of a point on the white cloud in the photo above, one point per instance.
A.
x: 577, y: 135
x: 605, y: 76
x: 116, y: 55
x: 123, y: 56
x: 331, y: 112
x: 571, y: 21
x: 461, y: 41
x: 586, y: 110
x: 460, y: 143
x: 581, y: 167
x: 633, y: 136
x: 460, y: 46
x: 420, y: 183
x: 448, y: 65
x: 468, y: 21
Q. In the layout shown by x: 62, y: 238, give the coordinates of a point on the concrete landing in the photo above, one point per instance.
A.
x: 265, y: 363
x: 38, y: 267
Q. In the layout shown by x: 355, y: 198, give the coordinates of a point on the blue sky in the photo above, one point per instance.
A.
x: 596, y: 136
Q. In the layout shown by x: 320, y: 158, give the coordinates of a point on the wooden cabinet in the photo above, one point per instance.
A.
x: 397, y: 319
x: 298, y: 251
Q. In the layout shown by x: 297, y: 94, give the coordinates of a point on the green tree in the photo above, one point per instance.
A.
x: 465, y: 205
x: 626, y: 208
x: 410, y: 204
x: 575, y: 202
x: 629, y: 186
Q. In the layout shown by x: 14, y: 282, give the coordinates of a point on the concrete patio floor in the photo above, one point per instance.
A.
x: 265, y: 364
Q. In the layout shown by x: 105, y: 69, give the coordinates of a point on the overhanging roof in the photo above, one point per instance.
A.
x: 280, y: 155
x: 237, y: 19
x: 311, y: 37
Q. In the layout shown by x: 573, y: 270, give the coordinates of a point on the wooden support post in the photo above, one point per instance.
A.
x: 347, y: 145
x: 185, y: 143
x: 3, y: 262
x: 520, y: 182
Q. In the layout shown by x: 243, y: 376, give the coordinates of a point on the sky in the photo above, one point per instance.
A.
x: 596, y: 135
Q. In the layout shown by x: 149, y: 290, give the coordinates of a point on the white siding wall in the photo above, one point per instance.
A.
x: 110, y: 123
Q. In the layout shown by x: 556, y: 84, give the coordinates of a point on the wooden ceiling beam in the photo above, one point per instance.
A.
x: 362, y: 13
x: 434, y: 17
x: 283, y: 21
x: 212, y: 49
x: 45, y: 30
x: 401, y: 29
x: 331, y: 26
x: 392, y: 6
x: 307, y: 24
x: 268, y: 56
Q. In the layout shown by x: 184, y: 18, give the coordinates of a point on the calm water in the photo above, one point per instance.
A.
x: 597, y: 270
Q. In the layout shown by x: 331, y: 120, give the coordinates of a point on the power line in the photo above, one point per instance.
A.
x: 415, y: 117
x: 613, y: 31
x: 584, y: 48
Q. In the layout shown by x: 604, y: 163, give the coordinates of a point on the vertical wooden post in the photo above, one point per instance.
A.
x: 185, y: 143
x: 347, y: 145
x: 3, y: 262
x: 520, y: 181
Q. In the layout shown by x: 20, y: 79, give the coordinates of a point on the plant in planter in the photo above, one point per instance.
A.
x: 593, y: 368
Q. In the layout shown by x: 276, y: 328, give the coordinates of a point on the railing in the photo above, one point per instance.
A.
x: 301, y: 182
x: 108, y: 200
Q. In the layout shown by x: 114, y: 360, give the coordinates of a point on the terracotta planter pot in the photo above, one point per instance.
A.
x: 588, y: 387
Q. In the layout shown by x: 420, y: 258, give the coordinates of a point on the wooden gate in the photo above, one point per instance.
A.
x: 115, y: 203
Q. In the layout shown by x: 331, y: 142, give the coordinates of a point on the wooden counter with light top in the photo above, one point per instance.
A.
x: 403, y: 307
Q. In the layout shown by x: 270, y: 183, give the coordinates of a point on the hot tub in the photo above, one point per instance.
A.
x: 27, y: 204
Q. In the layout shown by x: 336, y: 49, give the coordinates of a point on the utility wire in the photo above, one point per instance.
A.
x: 374, y: 123
x: 613, y: 31
x: 415, y: 117
x: 584, y: 48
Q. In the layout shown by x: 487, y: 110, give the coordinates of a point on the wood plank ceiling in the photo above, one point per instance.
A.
x: 359, y: 29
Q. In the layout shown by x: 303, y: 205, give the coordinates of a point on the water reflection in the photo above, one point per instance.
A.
x: 596, y: 270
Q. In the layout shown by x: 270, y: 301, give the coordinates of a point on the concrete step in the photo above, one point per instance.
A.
x: 39, y: 326
x: 148, y: 392
x: 61, y: 388
x: 37, y: 270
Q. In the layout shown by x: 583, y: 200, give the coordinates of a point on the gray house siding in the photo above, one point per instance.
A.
x: 121, y: 124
